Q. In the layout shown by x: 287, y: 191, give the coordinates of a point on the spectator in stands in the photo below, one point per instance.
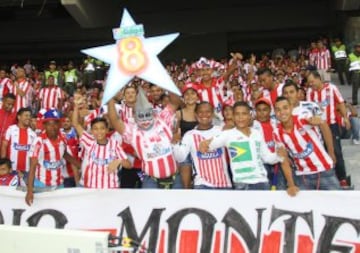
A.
x: 71, y: 76
x: 5, y: 84
x: 17, y: 141
x: 7, y: 177
x: 47, y: 154
x: 314, y: 166
x: 7, y: 115
x: 248, y: 151
x: 330, y: 99
x: 103, y: 156
x: 51, y: 96
x: 22, y: 89
x: 210, y: 167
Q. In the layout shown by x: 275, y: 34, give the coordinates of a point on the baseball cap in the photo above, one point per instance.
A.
x: 189, y: 86
x: 263, y: 100
x: 51, y: 114
x: 52, y: 62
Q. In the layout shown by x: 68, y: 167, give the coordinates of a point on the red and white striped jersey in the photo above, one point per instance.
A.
x: 22, y: 101
x: 153, y: 146
x: 323, y: 59
x: 125, y: 112
x: 267, y: 130
x: 304, y: 147
x: 213, y: 94
x: 50, y: 155
x: 313, y: 56
x: 72, y: 148
x: 327, y: 98
x: 9, y: 180
x: 5, y: 87
x: 211, y: 167
x: 19, y: 142
x: 94, y: 168
x: 50, y: 96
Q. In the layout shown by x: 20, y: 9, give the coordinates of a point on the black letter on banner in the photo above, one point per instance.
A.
x: 207, y: 223
x: 290, y: 225
x: 332, y: 225
x: 236, y: 221
x: 17, y: 216
x: 60, y: 218
x: 152, y: 224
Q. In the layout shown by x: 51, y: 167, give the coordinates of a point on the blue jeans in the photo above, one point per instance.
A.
x: 355, y: 127
x: 325, y: 180
x: 340, y: 164
x: 150, y: 183
x: 264, y: 186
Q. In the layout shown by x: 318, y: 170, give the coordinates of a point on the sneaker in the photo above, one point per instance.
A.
x: 356, y: 142
x: 345, y: 186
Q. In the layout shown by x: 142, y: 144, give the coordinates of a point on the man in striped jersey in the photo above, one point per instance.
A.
x: 329, y: 98
x: 323, y: 61
x: 5, y: 84
x: 151, y: 138
x: 17, y: 141
x: 7, y: 115
x: 51, y: 95
x: 313, y: 163
x: 47, y: 154
x: 22, y: 90
x: 210, y: 167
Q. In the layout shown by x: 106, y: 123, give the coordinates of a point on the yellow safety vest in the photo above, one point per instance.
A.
x: 354, y: 62
x: 70, y: 76
x: 55, y: 74
x: 339, y: 52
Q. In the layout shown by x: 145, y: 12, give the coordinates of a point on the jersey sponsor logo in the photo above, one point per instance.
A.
x: 210, y: 155
x: 308, y: 150
x: 101, y: 161
x: 270, y: 144
x: 240, y: 151
x: 21, y: 147
x: 49, y: 165
x: 158, y: 150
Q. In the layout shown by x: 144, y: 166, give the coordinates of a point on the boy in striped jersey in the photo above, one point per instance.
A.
x: 314, y: 165
x: 103, y: 156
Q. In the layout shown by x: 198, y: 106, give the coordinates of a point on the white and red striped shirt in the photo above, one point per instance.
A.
x: 313, y: 56
x: 22, y: 101
x: 213, y: 94
x: 50, y: 155
x: 19, y: 142
x: 304, y: 147
x: 327, y: 98
x: 323, y: 59
x: 50, y: 96
x: 153, y: 146
x: 94, y: 169
x: 5, y: 87
x: 211, y: 167
x: 73, y: 150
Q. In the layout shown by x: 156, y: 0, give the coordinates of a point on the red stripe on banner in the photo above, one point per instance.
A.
x: 236, y: 245
x: 217, y: 244
x: 305, y: 244
x: 188, y: 241
x: 272, y: 242
x: 161, y: 245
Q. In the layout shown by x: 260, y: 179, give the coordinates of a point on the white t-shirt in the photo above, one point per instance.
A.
x: 247, y: 155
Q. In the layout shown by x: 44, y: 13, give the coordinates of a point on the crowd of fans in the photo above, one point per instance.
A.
x: 241, y: 123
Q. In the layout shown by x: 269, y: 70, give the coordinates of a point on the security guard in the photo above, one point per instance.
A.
x: 354, y: 59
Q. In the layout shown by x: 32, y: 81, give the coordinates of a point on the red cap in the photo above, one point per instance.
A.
x: 189, y: 86
x: 263, y: 100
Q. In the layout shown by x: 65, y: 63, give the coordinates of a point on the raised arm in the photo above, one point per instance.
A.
x: 116, y: 122
x: 75, y: 117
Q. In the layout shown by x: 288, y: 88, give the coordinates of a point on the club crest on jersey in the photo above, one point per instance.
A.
x: 308, y: 150
x: 21, y: 147
x: 158, y: 150
x: 210, y: 155
x: 325, y: 102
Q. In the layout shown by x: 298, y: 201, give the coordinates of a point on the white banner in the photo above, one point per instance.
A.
x: 199, y: 220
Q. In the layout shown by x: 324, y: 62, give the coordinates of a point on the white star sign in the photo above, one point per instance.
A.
x: 133, y: 55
